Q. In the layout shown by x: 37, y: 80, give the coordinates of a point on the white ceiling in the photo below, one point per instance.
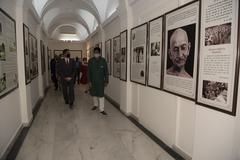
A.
x: 79, y: 16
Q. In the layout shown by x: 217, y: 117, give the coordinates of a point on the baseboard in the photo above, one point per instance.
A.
x: 181, y: 152
x: 113, y: 102
x: 19, y: 138
x: 29, y: 123
x: 135, y: 121
x: 163, y: 145
x: 11, y: 143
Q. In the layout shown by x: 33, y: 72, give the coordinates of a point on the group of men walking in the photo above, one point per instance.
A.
x: 69, y: 72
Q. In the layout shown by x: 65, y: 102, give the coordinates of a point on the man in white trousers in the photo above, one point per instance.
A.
x: 98, y: 79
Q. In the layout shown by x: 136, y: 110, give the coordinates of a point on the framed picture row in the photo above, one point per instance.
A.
x: 191, y: 52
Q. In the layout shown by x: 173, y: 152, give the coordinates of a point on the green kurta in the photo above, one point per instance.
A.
x: 97, y: 76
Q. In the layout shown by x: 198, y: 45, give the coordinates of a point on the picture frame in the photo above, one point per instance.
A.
x: 124, y: 55
x: 138, y: 54
x: 108, y: 55
x: 27, y: 60
x: 116, y: 57
x: 217, y: 87
x: 155, y: 54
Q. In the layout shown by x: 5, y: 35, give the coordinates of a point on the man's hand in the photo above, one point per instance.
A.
x: 90, y: 85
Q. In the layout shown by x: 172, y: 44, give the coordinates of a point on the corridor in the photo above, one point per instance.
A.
x: 58, y: 133
x: 169, y: 71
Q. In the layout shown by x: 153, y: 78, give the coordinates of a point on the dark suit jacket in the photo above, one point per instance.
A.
x: 67, y: 70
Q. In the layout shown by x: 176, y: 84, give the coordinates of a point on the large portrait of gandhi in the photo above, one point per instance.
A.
x: 181, y: 46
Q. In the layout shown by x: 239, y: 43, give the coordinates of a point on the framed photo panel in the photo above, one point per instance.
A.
x: 181, y: 50
x: 108, y: 55
x: 8, y: 54
x: 33, y: 56
x: 43, y: 57
x: 139, y: 54
x: 116, y: 57
x: 219, y: 55
x: 26, y: 54
x: 124, y: 55
x: 155, y: 52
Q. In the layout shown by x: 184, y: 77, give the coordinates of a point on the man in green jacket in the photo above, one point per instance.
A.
x: 98, y: 79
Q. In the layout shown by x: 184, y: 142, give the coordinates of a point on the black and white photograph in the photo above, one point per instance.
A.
x: 2, y: 52
x: 217, y: 35
x: 155, y: 53
x: 3, y: 83
x: 138, y: 54
x: 33, y: 56
x: 215, y: 91
x: 155, y: 48
x: 181, y: 47
x: 181, y: 50
x: 123, y: 55
x: 218, y: 56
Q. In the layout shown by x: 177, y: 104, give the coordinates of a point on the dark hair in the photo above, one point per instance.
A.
x: 97, y: 49
x: 65, y: 51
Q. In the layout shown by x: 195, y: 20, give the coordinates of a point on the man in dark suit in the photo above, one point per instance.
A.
x: 67, y: 73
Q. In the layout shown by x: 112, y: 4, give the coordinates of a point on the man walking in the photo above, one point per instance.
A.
x: 67, y: 73
x: 98, y: 79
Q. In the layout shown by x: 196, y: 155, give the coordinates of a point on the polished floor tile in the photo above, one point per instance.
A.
x: 59, y: 133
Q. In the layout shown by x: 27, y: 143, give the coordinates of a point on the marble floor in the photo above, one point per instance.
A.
x: 58, y: 133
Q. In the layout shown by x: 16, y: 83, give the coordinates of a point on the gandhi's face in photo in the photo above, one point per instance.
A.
x: 179, y: 48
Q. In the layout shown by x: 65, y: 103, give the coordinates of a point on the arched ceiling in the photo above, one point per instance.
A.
x: 83, y: 15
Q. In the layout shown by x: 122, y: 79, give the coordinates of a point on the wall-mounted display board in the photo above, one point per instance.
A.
x: 181, y: 50
x: 26, y: 54
x: 219, y: 55
x: 155, y: 52
x: 116, y: 57
x: 49, y: 57
x: 33, y: 56
x: 123, y: 59
x: 139, y: 54
x: 108, y: 55
x: 8, y: 54
x: 43, y: 57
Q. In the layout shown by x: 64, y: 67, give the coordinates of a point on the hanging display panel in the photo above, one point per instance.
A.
x: 8, y: 54
x: 27, y: 61
x: 123, y: 59
x: 181, y: 50
x: 139, y: 54
x: 116, y: 57
x: 219, y: 59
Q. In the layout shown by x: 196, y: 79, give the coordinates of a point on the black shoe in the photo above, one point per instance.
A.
x: 94, y: 108
x: 66, y: 102
x: 104, y: 113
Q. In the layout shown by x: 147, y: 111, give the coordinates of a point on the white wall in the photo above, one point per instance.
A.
x: 10, y: 117
x: 60, y: 45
